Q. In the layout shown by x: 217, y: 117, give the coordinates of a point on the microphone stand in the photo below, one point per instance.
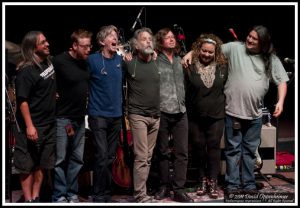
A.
x: 278, y: 175
x: 138, y: 19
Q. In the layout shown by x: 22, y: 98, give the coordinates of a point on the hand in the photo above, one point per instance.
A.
x: 278, y: 110
x: 154, y: 55
x: 127, y: 57
x: 187, y: 59
x: 31, y: 133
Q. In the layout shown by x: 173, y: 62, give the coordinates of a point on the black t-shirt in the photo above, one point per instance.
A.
x: 72, y: 86
x: 37, y: 86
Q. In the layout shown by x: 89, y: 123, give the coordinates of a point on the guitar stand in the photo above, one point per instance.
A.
x: 265, y: 179
x: 11, y: 126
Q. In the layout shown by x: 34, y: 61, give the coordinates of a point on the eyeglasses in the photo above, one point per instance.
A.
x: 86, y: 46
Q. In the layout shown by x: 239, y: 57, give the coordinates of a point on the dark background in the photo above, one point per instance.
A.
x: 58, y: 22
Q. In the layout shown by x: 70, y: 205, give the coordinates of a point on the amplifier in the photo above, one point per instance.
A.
x: 267, y: 150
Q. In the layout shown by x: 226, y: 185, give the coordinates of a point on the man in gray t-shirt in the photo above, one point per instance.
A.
x: 251, y: 66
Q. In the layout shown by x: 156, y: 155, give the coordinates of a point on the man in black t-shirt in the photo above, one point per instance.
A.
x: 72, y: 86
x: 35, y: 93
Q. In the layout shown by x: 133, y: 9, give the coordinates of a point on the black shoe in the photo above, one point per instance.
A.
x: 99, y: 199
x: 36, y: 200
x: 233, y: 191
x: 182, y: 197
x: 163, y: 193
x: 250, y: 191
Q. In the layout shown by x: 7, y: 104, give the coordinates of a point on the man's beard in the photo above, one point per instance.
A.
x: 148, y: 51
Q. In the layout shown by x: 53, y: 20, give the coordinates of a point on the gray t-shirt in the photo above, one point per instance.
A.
x: 247, y: 81
x: 143, y: 87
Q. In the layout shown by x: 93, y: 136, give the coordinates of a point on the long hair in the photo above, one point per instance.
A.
x: 208, y: 38
x: 28, y: 46
x: 134, y: 39
x: 266, y: 46
x: 159, y: 40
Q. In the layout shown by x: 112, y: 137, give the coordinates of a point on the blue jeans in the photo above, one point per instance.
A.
x: 69, y: 153
x: 240, y: 147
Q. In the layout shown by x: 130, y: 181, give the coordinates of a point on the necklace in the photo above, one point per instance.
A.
x: 207, y: 73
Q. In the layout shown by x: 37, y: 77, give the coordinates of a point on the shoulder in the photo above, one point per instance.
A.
x: 26, y: 72
x: 26, y: 69
x: 93, y: 56
x: 61, y: 58
x: 118, y: 57
x: 234, y: 44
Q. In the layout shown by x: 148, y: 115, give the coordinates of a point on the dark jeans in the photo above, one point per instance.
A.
x: 206, y: 134
x: 106, y: 136
x: 176, y: 126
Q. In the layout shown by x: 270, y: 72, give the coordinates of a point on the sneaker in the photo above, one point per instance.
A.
x: 61, y: 200
x: 145, y: 199
x: 213, y: 189
x: 202, y: 189
x: 73, y: 199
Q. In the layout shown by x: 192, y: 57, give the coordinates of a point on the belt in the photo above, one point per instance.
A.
x: 152, y: 116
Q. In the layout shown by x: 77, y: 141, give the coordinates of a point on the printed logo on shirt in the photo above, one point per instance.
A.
x: 48, y: 72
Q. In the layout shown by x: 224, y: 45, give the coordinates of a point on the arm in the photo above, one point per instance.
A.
x: 30, y: 128
x: 187, y: 59
x: 282, y: 90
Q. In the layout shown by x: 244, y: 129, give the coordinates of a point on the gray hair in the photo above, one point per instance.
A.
x: 134, y: 39
x: 104, y: 32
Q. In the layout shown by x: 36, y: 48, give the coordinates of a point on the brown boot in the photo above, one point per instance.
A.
x: 202, y: 189
x: 213, y: 189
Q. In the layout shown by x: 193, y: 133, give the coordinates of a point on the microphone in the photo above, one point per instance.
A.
x: 175, y: 26
x: 180, y: 37
x: 179, y: 30
x: 233, y: 33
x: 121, y: 35
x: 289, y: 61
x: 137, y: 19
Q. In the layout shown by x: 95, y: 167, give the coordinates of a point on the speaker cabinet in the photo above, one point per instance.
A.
x: 267, y: 151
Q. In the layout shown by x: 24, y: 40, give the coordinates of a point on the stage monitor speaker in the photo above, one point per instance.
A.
x: 267, y: 151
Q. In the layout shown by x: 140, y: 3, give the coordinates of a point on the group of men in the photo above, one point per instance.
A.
x: 53, y: 94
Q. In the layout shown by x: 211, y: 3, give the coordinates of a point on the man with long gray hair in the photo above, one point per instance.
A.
x: 143, y: 108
